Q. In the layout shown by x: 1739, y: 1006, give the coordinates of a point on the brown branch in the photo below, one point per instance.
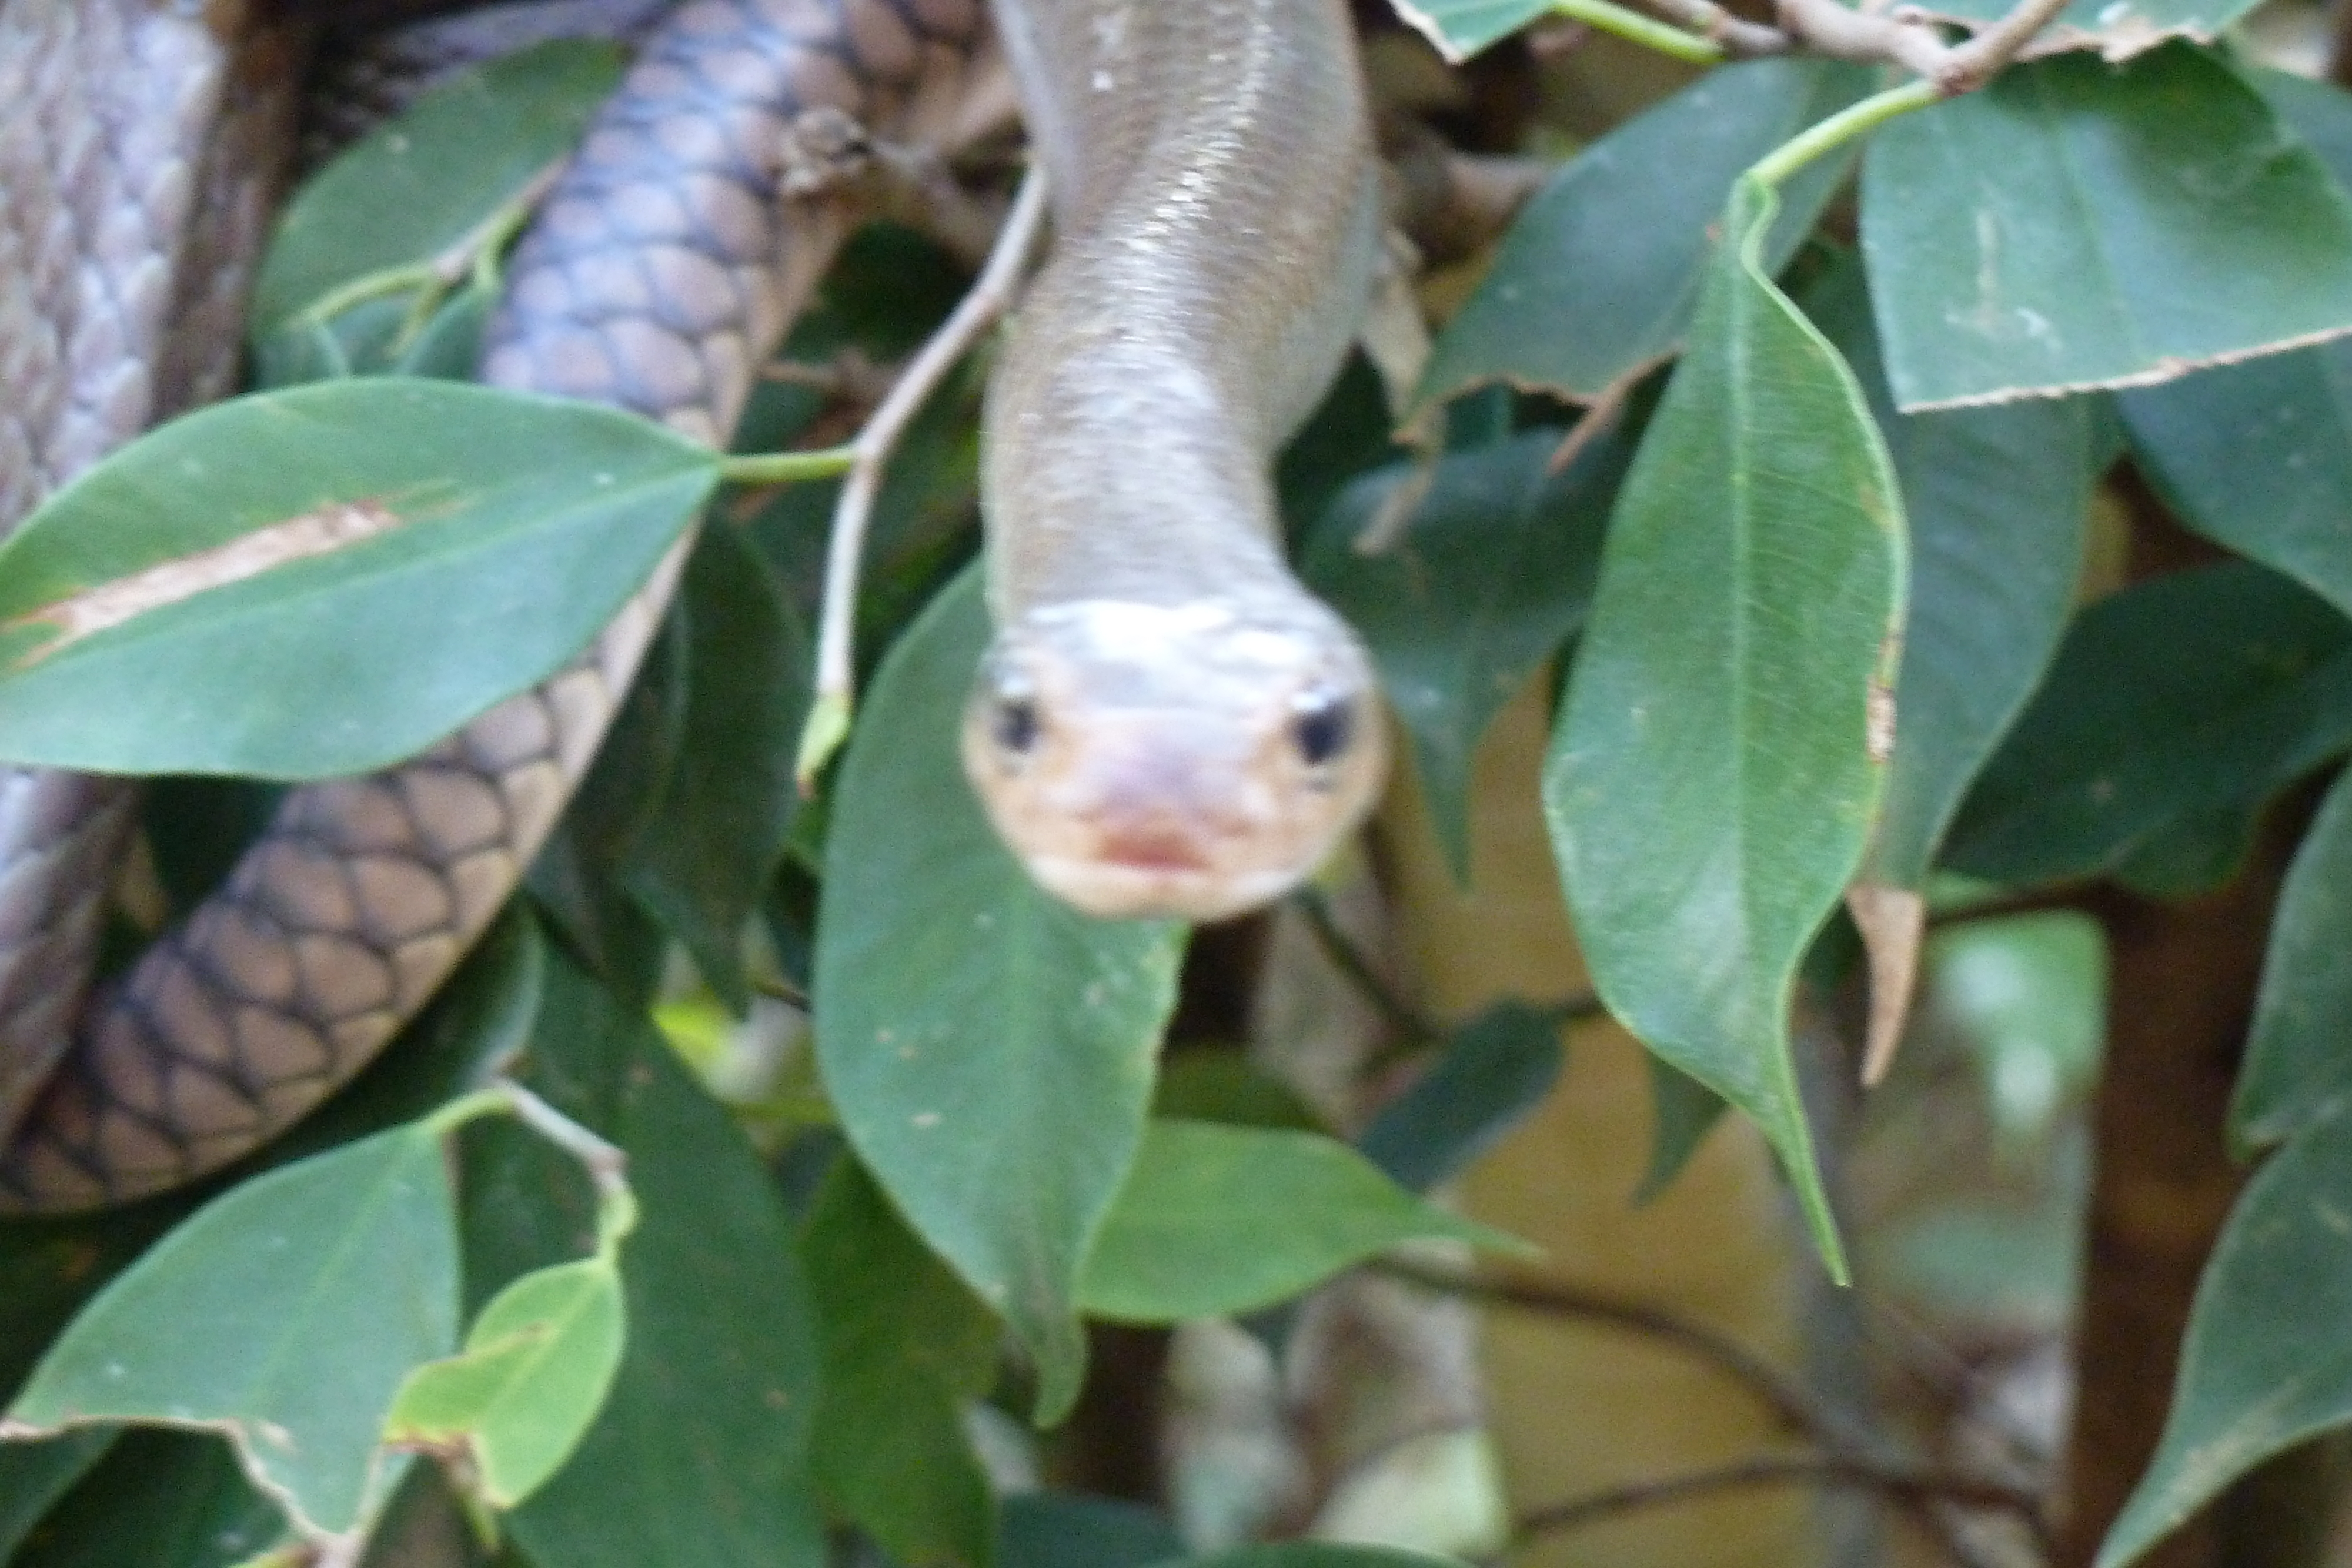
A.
x: 1902, y: 37
x: 1739, y: 36
x: 1849, y: 1452
x: 1903, y: 1483
x: 1789, y: 1401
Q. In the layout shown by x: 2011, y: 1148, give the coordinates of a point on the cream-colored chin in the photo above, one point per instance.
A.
x: 1109, y: 891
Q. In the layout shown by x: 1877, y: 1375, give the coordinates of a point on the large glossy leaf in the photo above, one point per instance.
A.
x: 1996, y: 499
x: 2258, y: 457
x: 2079, y: 225
x: 319, y: 581
x: 2318, y: 113
x: 1597, y: 279
x: 1493, y: 574
x: 2198, y: 692
x: 1492, y: 1071
x: 160, y: 1499
x: 703, y: 858
x: 700, y: 1456
x: 906, y: 1346
x: 2118, y: 30
x: 2265, y: 1363
x: 356, y: 1252
x: 1217, y: 1220
x: 990, y: 1051
x: 416, y: 187
x: 2298, y: 1066
x: 1713, y: 777
x: 1460, y: 28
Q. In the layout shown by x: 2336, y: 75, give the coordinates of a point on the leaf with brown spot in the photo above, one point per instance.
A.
x: 319, y: 581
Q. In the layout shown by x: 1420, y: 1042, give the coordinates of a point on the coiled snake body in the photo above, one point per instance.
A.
x: 1211, y: 176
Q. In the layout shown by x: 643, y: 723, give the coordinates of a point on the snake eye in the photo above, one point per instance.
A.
x: 1323, y: 727
x: 1013, y: 724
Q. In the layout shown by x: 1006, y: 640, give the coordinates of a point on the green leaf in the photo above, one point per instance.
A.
x: 536, y: 1367
x: 2297, y: 1071
x: 2119, y: 29
x: 366, y: 337
x: 417, y: 186
x: 704, y: 857
x: 1460, y: 28
x: 1713, y: 777
x: 339, y: 575
x: 2078, y: 226
x: 49, y: 1268
x: 2264, y: 1363
x: 2258, y: 457
x: 1683, y: 1111
x: 1220, y: 1083
x: 160, y: 1499
x: 1070, y: 1530
x: 1493, y: 574
x: 1218, y: 1220
x: 355, y: 1251
x: 35, y: 1475
x: 906, y: 1346
x: 990, y: 1051
x: 2318, y: 113
x: 1996, y: 500
x: 2178, y: 696
x: 1597, y: 279
x: 700, y: 1457
x: 1492, y: 1070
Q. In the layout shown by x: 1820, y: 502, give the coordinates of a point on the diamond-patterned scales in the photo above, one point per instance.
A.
x: 651, y: 280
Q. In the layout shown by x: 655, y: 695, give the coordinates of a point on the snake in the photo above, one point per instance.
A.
x: 1167, y: 723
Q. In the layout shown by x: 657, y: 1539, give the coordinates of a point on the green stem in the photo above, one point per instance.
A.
x: 786, y: 467
x: 490, y: 246
x: 391, y: 280
x: 1637, y: 28
x: 1843, y: 127
x: 473, y: 1107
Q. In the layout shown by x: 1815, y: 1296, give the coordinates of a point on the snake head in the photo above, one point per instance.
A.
x: 1189, y: 761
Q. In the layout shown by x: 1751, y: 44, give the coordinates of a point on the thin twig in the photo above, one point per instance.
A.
x: 990, y: 296
x: 1789, y: 1401
x: 1736, y: 34
x: 1900, y: 1481
x: 1830, y: 28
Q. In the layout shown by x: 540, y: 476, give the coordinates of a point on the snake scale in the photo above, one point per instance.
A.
x: 1212, y: 195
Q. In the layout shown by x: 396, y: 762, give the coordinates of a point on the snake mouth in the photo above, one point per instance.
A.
x: 1162, y: 852
x: 1125, y: 890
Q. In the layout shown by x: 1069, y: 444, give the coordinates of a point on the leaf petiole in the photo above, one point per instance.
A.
x: 1618, y: 21
x: 1843, y: 127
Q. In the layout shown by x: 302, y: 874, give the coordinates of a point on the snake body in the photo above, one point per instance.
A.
x: 1195, y: 731
x: 1168, y: 724
x: 657, y: 277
